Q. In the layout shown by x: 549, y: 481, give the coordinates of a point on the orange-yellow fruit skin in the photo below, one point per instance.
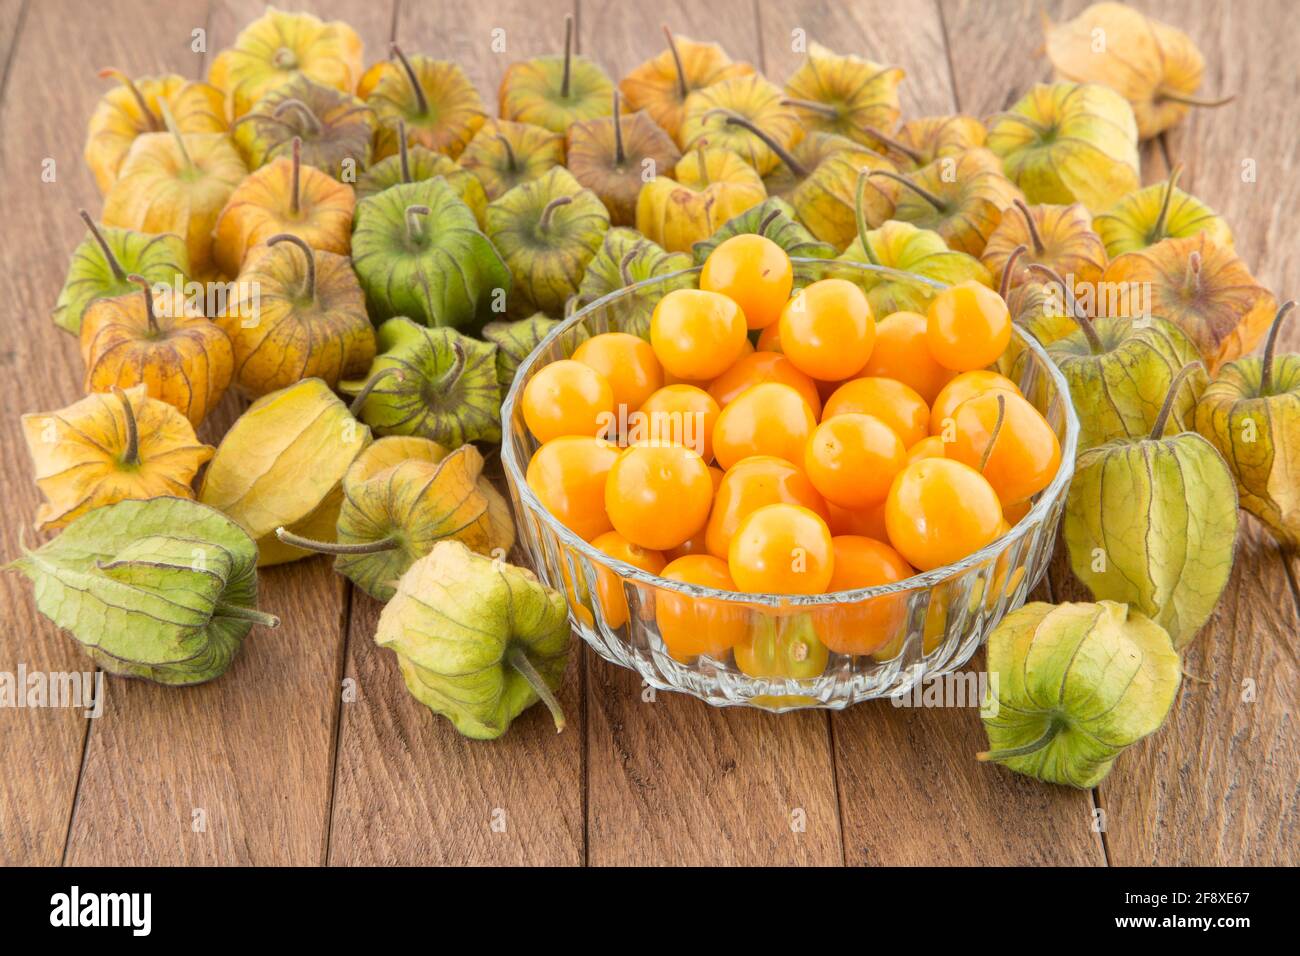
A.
x: 759, y: 367
x: 568, y: 476
x: 567, y: 398
x: 749, y: 485
x: 658, y: 496
x: 827, y: 330
x: 683, y: 415
x: 755, y: 273
x: 1025, y: 455
x: 968, y: 326
x: 887, y: 399
x: 781, y: 549
x: 692, y: 626
x: 697, y: 335
x: 964, y: 386
x: 866, y: 626
x: 628, y: 364
x: 766, y: 419
x: 609, y: 586
x: 939, y: 510
x: 901, y: 353
x: 852, y: 460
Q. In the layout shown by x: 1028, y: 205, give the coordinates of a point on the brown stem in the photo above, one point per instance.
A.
x: 1048, y: 736
x: 786, y: 157
x: 309, y: 285
x: 412, y: 223
x: 170, y: 122
x: 152, y: 316
x: 297, y: 175
x: 517, y: 659
x: 1158, y: 230
x: 1167, y: 407
x: 619, y: 155
x: 624, y: 267
x: 111, y: 259
x: 1266, y: 371
x: 359, y: 401
x: 568, y: 56
x: 1072, y: 309
x: 812, y: 106
x: 860, y: 217
x: 931, y: 198
x: 513, y: 164
x: 1192, y: 283
x: 421, y: 101
x: 1034, y: 237
x: 897, y: 146
x: 682, y: 88
x: 303, y: 111
x: 402, y: 152
x: 1195, y: 100
x: 389, y: 543
x: 130, y: 454
x: 767, y: 220
x: 548, y: 212
x: 239, y: 612
x: 453, y: 374
x: 116, y: 74
x: 1004, y: 287
x: 997, y: 430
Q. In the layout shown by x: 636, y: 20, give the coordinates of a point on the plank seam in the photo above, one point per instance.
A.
x: 336, y: 730
x: 947, y: 55
x: 13, y: 48
x: 835, y: 783
x: 76, y: 791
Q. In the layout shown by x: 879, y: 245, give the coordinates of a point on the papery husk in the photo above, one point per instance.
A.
x: 662, y: 83
x: 626, y: 258
x: 421, y: 164
x: 435, y: 99
x: 515, y: 341
x: 615, y: 155
x: 335, y: 129
x: 504, y: 154
x: 547, y: 231
x: 774, y: 219
x: 921, y: 141
x: 177, y: 184
x: 284, y: 196
x: 476, y: 639
x: 921, y: 252
x: 555, y: 91
x: 1161, y: 211
x: 281, y: 464
x: 1155, y: 66
x: 169, y: 347
x: 704, y: 122
x: 84, y: 460
x: 131, y: 109
x: 1255, y: 425
x: 164, y: 589
x: 278, y: 46
x: 1200, y: 286
x: 845, y: 95
x: 1066, y: 142
x: 1058, y: 237
x: 310, y: 320
x: 709, y: 187
x: 964, y: 198
x: 1072, y: 686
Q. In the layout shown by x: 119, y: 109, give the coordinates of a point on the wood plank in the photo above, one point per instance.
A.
x: 915, y: 767
x: 409, y: 789
x: 1221, y: 783
x: 238, y: 771
x: 672, y: 780
x: 41, y: 119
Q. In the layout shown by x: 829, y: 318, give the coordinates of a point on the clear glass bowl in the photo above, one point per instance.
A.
x: 928, y: 625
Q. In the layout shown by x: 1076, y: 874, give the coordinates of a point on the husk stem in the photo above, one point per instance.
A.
x: 619, y: 154
x: 1095, y: 344
x: 404, y: 157
x: 421, y: 101
x: 116, y: 267
x: 1004, y: 287
x: 245, y: 614
x: 931, y: 198
x: 783, y: 154
x: 548, y: 212
x: 303, y: 111
x: 1167, y: 407
x: 1266, y: 370
x: 997, y: 430
x: 894, y: 144
x: 453, y: 374
x: 517, y: 659
x: 121, y: 77
x: 309, y: 283
x: 1030, y: 748
x: 1158, y: 229
x: 512, y: 163
x: 568, y: 56
x: 131, y: 453
x: 860, y: 219
x: 683, y: 89
x: 624, y: 267
x: 1034, y: 237
x: 813, y: 106
x: 387, y: 543
x: 1195, y: 100
x: 152, y: 316
x: 170, y: 122
x: 297, y: 175
x: 359, y: 401
x: 1192, y: 282
x: 412, y: 223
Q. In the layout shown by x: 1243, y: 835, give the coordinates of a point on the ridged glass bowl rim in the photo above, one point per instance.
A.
x: 925, y: 580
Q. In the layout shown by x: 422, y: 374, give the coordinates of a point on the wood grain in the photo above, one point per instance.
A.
x: 239, y: 770
x: 670, y: 779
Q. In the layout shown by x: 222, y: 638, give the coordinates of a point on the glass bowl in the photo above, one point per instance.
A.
x: 927, y: 625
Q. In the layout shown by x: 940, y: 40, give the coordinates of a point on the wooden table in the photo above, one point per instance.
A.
x: 310, y: 750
